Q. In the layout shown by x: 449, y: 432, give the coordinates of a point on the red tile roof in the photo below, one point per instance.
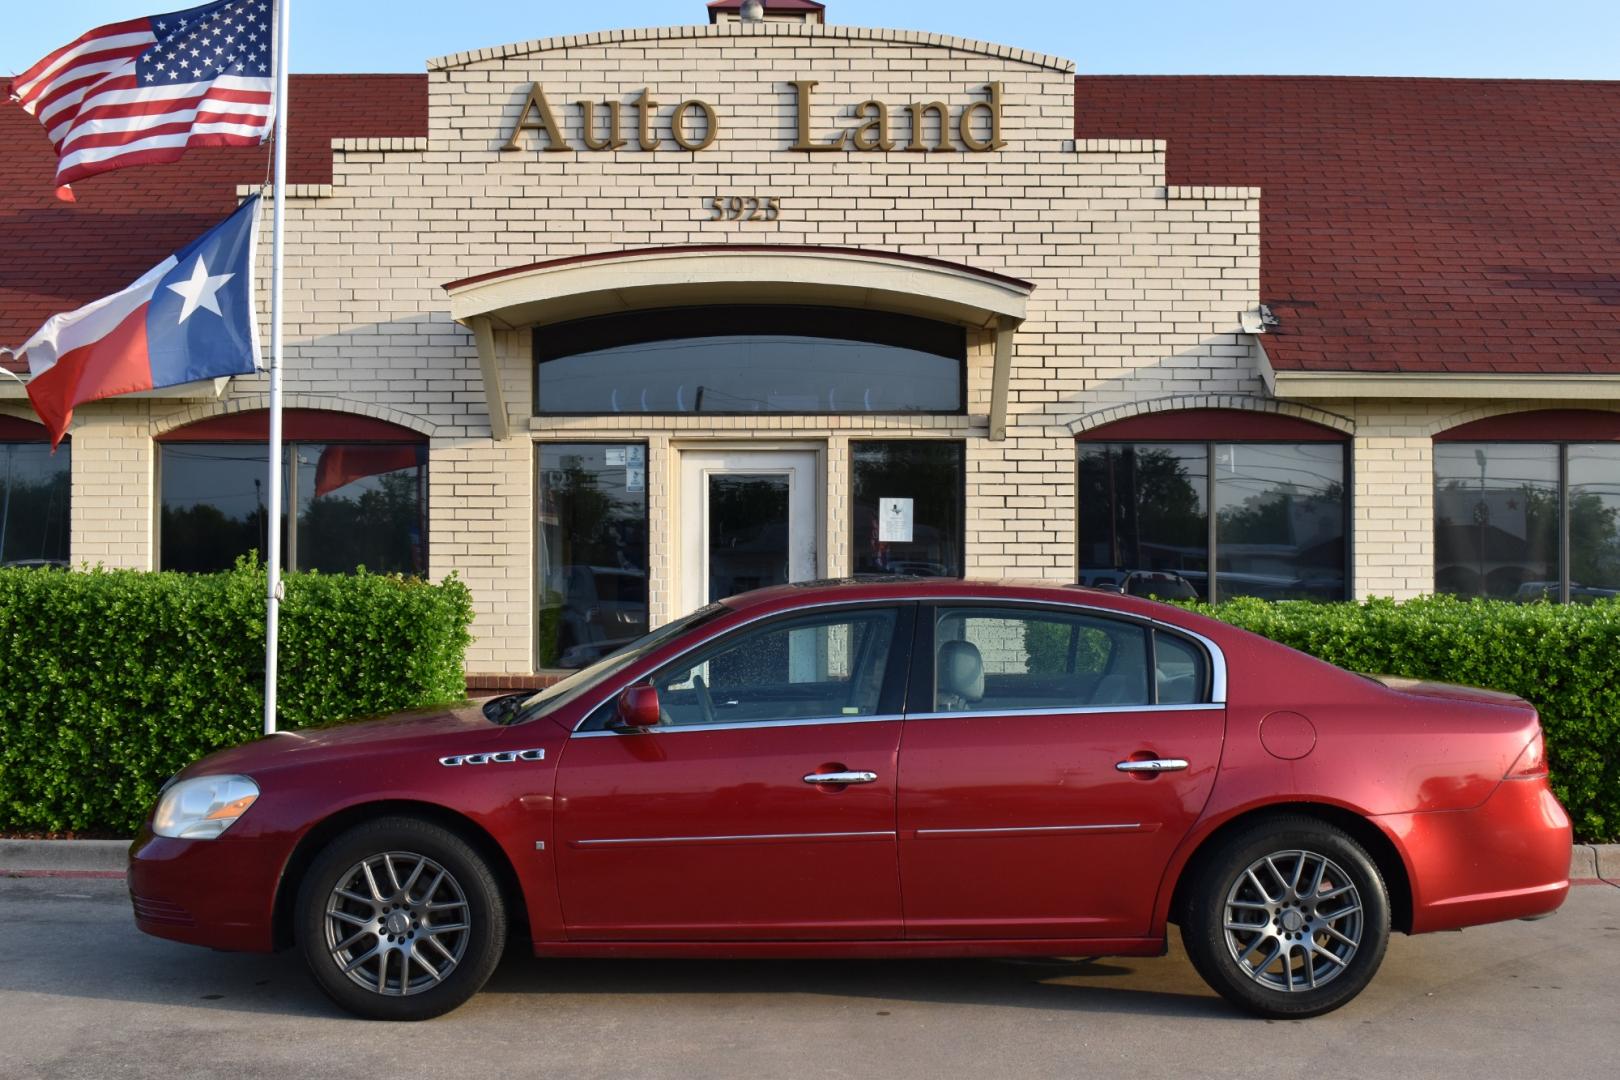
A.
x: 56, y: 256
x: 1407, y: 224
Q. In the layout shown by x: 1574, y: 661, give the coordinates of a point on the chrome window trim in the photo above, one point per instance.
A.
x: 742, y: 836
x: 739, y: 725
x: 1124, y: 826
x: 1082, y: 710
x: 1217, y: 658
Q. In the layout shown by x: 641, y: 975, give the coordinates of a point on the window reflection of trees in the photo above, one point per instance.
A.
x: 1280, y: 518
x: 1499, y: 513
x: 591, y: 539
x: 362, y: 504
x: 35, y: 488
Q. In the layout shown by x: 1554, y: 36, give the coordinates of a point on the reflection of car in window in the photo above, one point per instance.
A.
x: 1112, y: 580
x: 1548, y: 590
x: 603, y: 608
x: 1160, y: 585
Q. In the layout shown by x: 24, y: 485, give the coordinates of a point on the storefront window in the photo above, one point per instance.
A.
x: 1508, y: 516
x: 361, y: 500
x: 361, y: 504
x: 213, y: 499
x: 34, y: 496
x: 1279, y: 527
x: 1594, y: 520
x: 591, y: 550
x: 1144, y: 518
x: 907, y: 507
x: 750, y: 359
x: 1280, y: 520
x: 1496, y: 520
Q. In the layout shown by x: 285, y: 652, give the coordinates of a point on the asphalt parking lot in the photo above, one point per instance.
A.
x: 84, y: 994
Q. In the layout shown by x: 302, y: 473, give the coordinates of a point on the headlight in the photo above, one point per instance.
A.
x: 203, y: 807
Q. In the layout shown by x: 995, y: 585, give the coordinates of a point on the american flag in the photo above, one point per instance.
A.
x: 146, y: 90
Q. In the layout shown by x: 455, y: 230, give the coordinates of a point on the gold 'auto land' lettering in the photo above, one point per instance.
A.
x: 694, y: 125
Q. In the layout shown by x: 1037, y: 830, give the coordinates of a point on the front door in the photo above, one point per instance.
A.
x: 748, y: 521
x: 761, y: 808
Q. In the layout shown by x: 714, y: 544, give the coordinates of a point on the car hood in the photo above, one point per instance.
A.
x: 1450, y: 691
x: 386, y: 733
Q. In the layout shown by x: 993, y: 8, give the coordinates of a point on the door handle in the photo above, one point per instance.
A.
x: 851, y: 777
x: 1152, y: 765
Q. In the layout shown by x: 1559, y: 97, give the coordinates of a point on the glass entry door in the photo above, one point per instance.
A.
x: 748, y: 521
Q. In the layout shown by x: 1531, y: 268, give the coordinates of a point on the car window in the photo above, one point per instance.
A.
x: 1178, y: 669
x: 811, y: 667
x: 1001, y: 659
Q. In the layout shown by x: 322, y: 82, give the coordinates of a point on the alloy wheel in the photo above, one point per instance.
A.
x: 397, y: 923
x: 1293, y: 920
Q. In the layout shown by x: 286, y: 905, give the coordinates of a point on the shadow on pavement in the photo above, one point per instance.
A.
x: 1082, y: 985
x: 78, y: 940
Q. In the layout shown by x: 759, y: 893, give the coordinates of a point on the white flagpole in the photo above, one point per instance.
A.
x: 278, y: 234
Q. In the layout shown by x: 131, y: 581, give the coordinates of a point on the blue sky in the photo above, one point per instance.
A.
x: 1577, y: 39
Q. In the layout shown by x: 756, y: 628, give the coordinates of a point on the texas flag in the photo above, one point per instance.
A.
x: 191, y: 317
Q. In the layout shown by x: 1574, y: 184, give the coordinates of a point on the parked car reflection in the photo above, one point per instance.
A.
x: 603, y: 608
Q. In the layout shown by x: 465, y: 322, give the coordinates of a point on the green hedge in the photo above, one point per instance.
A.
x: 110, y: 681
x: 1565, y: 660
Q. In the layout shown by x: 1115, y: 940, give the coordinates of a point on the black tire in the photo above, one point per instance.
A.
x: 1313, y: 970
x: 427, y: 965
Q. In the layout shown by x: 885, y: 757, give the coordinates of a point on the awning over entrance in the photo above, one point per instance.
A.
x: 586, y: 285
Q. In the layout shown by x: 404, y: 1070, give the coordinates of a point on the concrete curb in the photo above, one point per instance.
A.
x: 1587, y: 862
x: 63, y: 855
x: 1600, y: 861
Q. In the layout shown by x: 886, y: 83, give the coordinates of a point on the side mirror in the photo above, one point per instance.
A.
x: 638, y: 707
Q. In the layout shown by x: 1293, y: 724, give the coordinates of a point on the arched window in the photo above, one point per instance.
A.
x: 35, y: 487
x: 749, y: 359
x: 1278, y: 486
x: 359, y: 487
x: 1527, y: 506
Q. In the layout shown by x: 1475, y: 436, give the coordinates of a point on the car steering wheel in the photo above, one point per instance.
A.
x: 705, y: 702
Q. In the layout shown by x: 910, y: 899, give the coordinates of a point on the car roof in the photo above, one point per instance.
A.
x: 902, y: 587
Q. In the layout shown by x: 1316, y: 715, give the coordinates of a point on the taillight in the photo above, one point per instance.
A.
x: 1532, y: 764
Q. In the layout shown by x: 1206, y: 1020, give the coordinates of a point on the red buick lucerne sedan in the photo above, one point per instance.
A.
x: 878, y: 769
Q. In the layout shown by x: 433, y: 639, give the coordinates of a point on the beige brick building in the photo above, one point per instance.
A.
x: 633, y: 320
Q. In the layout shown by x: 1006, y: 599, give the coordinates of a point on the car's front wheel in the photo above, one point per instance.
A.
x: 1288, y: 918
x: 400, y: 919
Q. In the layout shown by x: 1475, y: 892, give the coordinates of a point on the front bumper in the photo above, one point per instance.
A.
x: 1505, y: 859
x: 219, y: 893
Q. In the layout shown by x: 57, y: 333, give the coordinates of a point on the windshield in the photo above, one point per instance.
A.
x: 561, y: 693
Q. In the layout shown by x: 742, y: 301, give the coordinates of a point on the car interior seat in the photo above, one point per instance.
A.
x: 960, y: 676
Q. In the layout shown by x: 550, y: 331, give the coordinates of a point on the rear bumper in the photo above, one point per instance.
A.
x: 1505, y: 859
x: 218, y: 893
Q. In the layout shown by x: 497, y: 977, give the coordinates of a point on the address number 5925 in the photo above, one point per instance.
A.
x: 744, y: 208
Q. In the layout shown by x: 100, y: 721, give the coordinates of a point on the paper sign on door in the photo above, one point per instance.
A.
x: 894, y: 521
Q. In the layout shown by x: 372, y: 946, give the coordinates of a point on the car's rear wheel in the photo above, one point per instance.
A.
x: 1288, y: 918
x: 400, y: 919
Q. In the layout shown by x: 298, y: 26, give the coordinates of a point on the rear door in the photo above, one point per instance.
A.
x: 1028, y: 806
x: 763, y: 808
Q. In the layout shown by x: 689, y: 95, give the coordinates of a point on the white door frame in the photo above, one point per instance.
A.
x: 803, y: 467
